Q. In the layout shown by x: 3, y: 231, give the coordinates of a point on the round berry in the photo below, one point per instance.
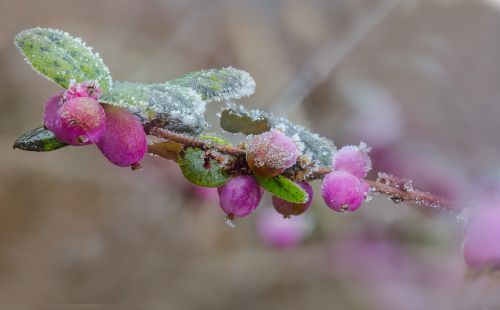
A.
x: 50, y: 109
x: 271, y: 153
x: 124, y: 142
x: 79, y: 121
x: 353, y: 159
x: 481, y: 247
x: 287, y: 209
x: 240, y: 196
x: 343, y: 192
x: 283, y: 233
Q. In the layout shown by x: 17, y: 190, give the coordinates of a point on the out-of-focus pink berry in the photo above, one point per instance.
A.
x: 481, y: 245
x: 79, y: 121
x: 51, y: 107
x: 353, y: 159
x: 240, y: 196
x: 343, y: 192
x: 124, y: 142
x: 271, y: 153
x: 278, y: 232
x: 288, y: 209
x: 85, y: 89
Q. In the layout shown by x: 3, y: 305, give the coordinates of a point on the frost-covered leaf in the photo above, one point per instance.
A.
x: 38, y: 140
x: 317, y: 148
x: 173, y: 107
x: 166, y: 149
x: 215, y: 139
x: 234, y: 122
x: 61, y: 57
x: 283, y: 188
x: 218, y: 84
x: 195, y: 169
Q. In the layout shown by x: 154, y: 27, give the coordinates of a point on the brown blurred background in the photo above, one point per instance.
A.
x: 417, y: 80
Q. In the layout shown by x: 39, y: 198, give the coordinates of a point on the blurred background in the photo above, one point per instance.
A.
x: 417, y: 80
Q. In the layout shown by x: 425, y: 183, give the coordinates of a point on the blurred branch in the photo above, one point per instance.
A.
x: 320, y: 65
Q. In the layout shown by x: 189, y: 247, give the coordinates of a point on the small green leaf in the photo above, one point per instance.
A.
x: 38, y: 140
x: 173, y: 107
x: 61, y: 57
x: 234, y: 122
x: 215, y: 139
x: 218, y: 84
x: 166, y: 149
x: 283, y: 188
x: 194, y: 169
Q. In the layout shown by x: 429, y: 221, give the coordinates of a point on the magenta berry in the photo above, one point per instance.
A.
x: 343, y: 192
x: 353, y: 159
x: 124, y: 142
x: 287, y: 209
x: 240, y: 196
x: 481, y: 247
x: 51, y: 107
x: 271, y: 153
x: 79, y: 121
x: 85, y: 89
x: 279, y: 233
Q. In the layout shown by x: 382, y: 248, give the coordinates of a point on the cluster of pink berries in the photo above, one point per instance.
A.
x: 344, y: 189
x: 76, y: 118
x: 271, y: 153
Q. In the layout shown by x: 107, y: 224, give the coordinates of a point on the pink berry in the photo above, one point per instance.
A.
x: 85, y: 89
x: 282, y: 233
x: 51, y: 107
x: 288, y: 209
x: 79, y: 121
x: 271, y: 153
x: 343, y: 192
x: 481, y: 245
x: 124, y: 142
x: 353, y: 159
x: 240, y: 196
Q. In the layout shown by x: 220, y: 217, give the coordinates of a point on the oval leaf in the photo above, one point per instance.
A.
x: 218, y: 84
x: 234, y: 122
x: 192, y: 164
x: 61, y: 58
x: 166, y: 149
x: 173, y: 107
x: 283, y: 188
x: 38, y: 140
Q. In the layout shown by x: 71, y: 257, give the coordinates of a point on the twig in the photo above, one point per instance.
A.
x: 398, y: 193
x: 395, y: 188
x: 192, y: 142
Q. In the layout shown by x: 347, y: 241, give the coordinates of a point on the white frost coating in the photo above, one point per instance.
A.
x: 35, y: 34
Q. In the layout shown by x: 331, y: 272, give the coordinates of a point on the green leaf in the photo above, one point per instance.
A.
x: 234, y: 122
x: 215, y: 139
x: 173, y: 107
x: 61, y: 57
x: 236, y: 118
x: 218, y: 84
x: 38, y: 140
x: 166, y: 149
x: 283, y: 188
x: 192, y: 164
